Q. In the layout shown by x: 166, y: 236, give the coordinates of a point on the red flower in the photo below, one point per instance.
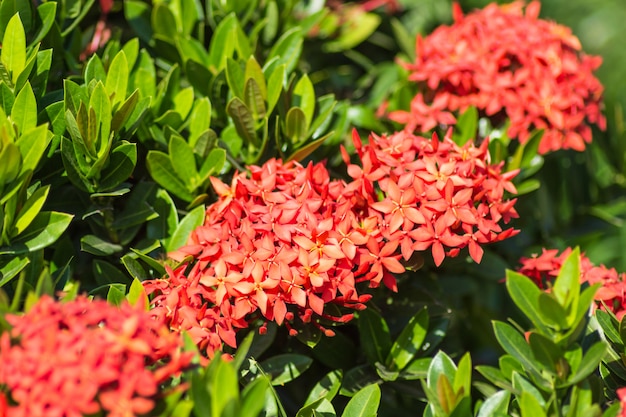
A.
x: 85, y: 357
x: 509, y: 65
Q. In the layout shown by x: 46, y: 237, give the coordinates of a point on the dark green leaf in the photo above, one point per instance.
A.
x: 122, y: 161
x: 374, y: 336
x: 191, y: 221
x: 243, y: 121
x: 408, y: 342
x: 162, y: 171
x: 514, y: 344
x: 525, y: 295
x: 44, y: 230
x: 285, y: 367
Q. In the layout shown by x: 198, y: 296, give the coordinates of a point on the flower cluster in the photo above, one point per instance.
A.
x: 286, y: 242
x: 436, y: 194
x: 85, y: 357
x: 512, y: 66
x: 544, y: 268
x: 283, y: 243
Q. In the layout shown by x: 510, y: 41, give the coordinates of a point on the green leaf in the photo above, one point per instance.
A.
x: 374, y: 335
x: 13, y: 55
x: 253, y: 71
x: 514, y: 344
x: 589, y: 363
x: 122, y: 161
x: 287, y: 49
x: 546, y: 352
x: 94, y: 70
x: 137, y: 294
x: 135, y: 269
x: 552, y: 313
x: 43, y: 231
x: 307, y: 149
x: 327, y: 388
x: 253, y: 397
x: 137, y: 14
x: 567, y: 285
x: 409, y: 341
x: 199, y: 120
x: 164, y: 22
x: 466, y: 126
x: 99, y: 102
x: 275, y: 86
x: 440, y: 366
x: 105, y: 273
x: 165, y: 224
x: 162, y: 171
x: 191, y: 221
x: 530, y: 407
x: 304, y: 98
x: 222, y: 44
x: 497, y: 404
x: 124, y: 113
x: 10, y: 8
x: 10, y: 163
x: 47, y: 13
x: 12, y: 268
x: 295, y: 125
x: 116, y: 294
x: 213, y: 163
x: 183, y: 161
x: 462, y: 381
x: 243, y: 121
x: 156, y: 266
x: 525, y: 295
x: 254, y: 99
x: 30, y: 210
x: 117, y: 78
x: 24, y: 112
x: 364, y: 403
x: 97, y: 246
x: 285, y: 367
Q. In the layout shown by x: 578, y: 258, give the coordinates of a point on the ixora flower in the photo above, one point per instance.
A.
x: 282, y: 243
x: 286, y: 242
x: 513, y: 67
x: 435, y: 194
x: 84, y: 357
x: 544, y: 268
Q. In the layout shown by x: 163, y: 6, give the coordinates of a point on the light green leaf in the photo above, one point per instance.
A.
x: 567, y: 285
x: 364, y: 403
x: 326, y: 388
x: 43, y: 231
x: 30, y: 210
x: 525, y: 295
x: 190, y: 222
x: 24, y: 112
x: 13, y: 55
x: 117, y: 78
x: 137, y: 294
x: 162, y: 171
x: 184, y: 162
x: 408, y: 342
x: 304, y: 98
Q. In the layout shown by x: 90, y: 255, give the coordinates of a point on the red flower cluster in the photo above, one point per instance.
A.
x: 287, y: 242
x: 436, y: 194
x: 84, y: 357
x: 543, y: 269
x: 509, y: 65
x: 284, y: 243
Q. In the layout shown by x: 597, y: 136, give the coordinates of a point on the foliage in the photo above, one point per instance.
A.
x: 200, y: 200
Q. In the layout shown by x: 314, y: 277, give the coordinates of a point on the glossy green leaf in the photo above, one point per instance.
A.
x: 47, y: 13
x: 589, y: 363
x: 354, y: 33
x: 183, y: 161
x: 162, y: 171
x: 97, y: 246
x: 296, y: 125
x: 552, y: 313
x: 253, y: 71
x: 213, y: 163
x: 183, y: 102
x: 285, y: 367
x: 275, y: 85
x: 43, y: 231
x: 117, y: 78
x: 254, y: 99
x: 304, y: 98
x: 307, y: 149
x: 567, y: 285
x: 117, y: 294
x: 374, y: 335
x: 94, y: 70
x: 253, y: 398
x: 235, y: 77
x: 222, y: 44
x: 137, y: 294
x: 288, y: 49
x: 408, y: 343
x: 137, y: 14
x: 327, y: 388
x: 546, y: 352
x: 525, y: 295
x: 125, y: 111
x: 530, y: 407
x: 462, y: 381
x: 24, y: 112
x: 163, y: 21
x: 10, y: 8
x: 10, y: 163
x: 135, y: 269
x: 243, y: 121
x: 30, y: 210
x: 13, y: 55
x: 123, y: 159
x: 191, y: 221
x: 199, y: 120
x: 514, y: 344
x: 165, y: 224
x: 364, y: 403
x: 7, y: 97
x: 99, y: 102
x: 497, y: 404
x: 11, y: 267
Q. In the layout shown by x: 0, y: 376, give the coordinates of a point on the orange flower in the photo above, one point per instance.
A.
x: 511, y: 66
x: 85, y: 357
